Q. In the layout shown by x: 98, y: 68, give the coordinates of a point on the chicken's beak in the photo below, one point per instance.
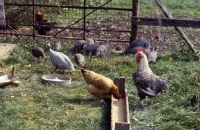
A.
x: 120, y: 96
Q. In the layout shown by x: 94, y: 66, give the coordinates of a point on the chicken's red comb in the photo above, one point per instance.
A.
x: 140, y: 50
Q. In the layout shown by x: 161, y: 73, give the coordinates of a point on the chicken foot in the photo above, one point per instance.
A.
x: 140, y: 101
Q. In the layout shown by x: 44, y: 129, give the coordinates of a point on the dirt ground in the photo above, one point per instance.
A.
x: 164, y: 38
x: 6, y: 49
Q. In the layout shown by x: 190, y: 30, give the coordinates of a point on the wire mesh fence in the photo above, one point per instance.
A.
x: 75, y: 19
x: 97, y: 19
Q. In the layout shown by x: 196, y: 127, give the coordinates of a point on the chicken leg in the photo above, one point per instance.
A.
x: 151, y: 100
x: 139, y: 102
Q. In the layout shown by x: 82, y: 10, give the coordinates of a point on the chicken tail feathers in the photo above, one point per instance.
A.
x: 149, y: 91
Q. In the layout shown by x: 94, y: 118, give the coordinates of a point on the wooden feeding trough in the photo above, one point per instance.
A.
x: 120, y: 109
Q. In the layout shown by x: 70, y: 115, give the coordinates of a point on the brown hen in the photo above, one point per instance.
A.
x: 99, y: 85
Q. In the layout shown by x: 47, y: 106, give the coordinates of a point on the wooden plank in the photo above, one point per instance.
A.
x: 120, y: 109
x: 127, y: 109
x: 122, y: 126
x: 120, y: 82
x: 165, y: 22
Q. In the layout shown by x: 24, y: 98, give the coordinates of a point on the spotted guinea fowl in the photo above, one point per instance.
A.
x: 102, y: 49
x: 38, y: 52
x: 153, y: 55
x: 132, y: 48
x: 89, y: 47
x: 56, y: 46
x: 78, y: 46
x: 146, y: 82
x: 60, y: 60
x: 79, y: 59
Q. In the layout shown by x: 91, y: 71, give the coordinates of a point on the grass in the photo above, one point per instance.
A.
x: 34, y: 105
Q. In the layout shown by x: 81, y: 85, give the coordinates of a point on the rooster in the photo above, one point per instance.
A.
x: 99, y: 85
x: 146, y: 82
x: 43, y: 26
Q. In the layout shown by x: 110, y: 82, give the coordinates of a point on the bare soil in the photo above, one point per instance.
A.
x: 164, y: 38
x: 6, y: 49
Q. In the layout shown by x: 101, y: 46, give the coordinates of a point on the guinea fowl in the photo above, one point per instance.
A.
x: 138, y: 43
x: 38, y: 52
x: 56, y: 46
x: 89, y: 47
x: 89, y: 41
x: 60, y: 60
x: 79, y: 59
x: 153, y: 55
x: 146, y: 82
x: 102, y: 49
x: 134, y: 50
x: 78, y: 46
x: 81, y: 46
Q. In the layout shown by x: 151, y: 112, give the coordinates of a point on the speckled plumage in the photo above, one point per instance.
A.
x: 78, y: 46
x: 38, y: 52
x: 60, y: 60
x: 153, y: 55
x: 102, y: 49
x: 79, y: 59
x: 146, y: 82
x: 89, y: 48
x: 56, y: 46
x: 132, y: 48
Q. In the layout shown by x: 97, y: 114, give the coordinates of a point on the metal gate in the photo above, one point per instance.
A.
x: 76, y: 19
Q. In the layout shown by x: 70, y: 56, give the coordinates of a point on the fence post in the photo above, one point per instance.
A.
x: 84, y: 21
x: 33, y: 19
x: 134, y: 28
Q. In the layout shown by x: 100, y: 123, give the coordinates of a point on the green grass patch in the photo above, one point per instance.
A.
x: 34, y: 105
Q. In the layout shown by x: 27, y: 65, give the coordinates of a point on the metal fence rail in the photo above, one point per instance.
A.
x: 76, y: 19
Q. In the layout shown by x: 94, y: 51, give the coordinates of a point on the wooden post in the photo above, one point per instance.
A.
x: 2, y: 14
x: 180, y: 31
x: 84, y: 21
x: 120, y: 82
x: 33, y: 4
x: 134, y: 28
